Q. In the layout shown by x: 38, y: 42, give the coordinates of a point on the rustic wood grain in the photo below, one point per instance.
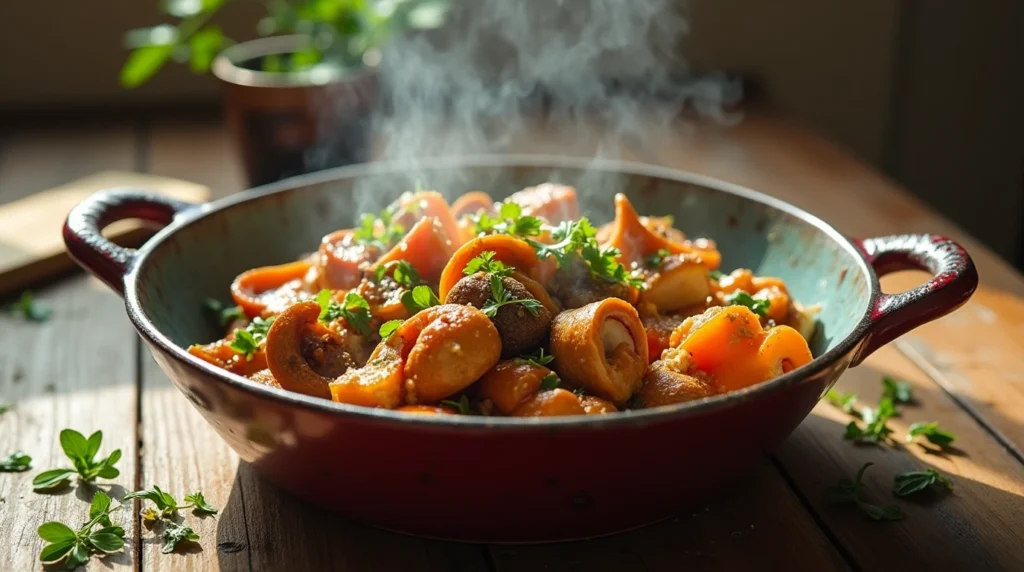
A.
x: 61, y: 373
x: 979, y: 526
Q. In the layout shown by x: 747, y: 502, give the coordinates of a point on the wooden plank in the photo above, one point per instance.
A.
x: 260, y: 527
x: 980, y: 526
x: 760, y: 525
x: 981, y: 368
x: 61, y: 374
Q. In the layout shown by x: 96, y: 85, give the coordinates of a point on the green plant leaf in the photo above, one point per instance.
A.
x: 550, y: 381
x: 55, y: 552
x: 205, y: 45
x: 55, y: 532
x: 175, y: 534
x: 915, y: 481
x: 898, y: 391
x: 389, y: 327
x: 200, y: 503
x: 74, y: 444
x: 16, y: 462
x: 931, y: 432
x: 78, y: 556
x: 52, y: 478
x: 106, y: 541
x: 143, y: 63
x: 100, y: 504
x: 93, y: 445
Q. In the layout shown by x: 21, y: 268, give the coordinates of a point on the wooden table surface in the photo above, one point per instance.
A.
x: 86, y: 369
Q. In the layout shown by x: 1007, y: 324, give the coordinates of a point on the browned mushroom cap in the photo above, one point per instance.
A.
x: 520, y: 330
x: 510, y: 383
x: 285, y: 343
x: 601, y: 347
x: 672, y: 379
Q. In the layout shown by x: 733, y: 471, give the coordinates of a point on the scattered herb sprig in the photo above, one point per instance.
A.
x: 82, y: 453
x: 716, y: 275
x: 485, y: 262
x: 501, y: 297
x: 897, y: 391
x: 844, y: 401
x: 402, y: 272
x: 876, y: 429
x: 16, y: 462
x: 166, y: 506
x: 931, y: 432
x: 550, y: 381
x: 757, y: 305
x: 388, y: 328
x: 657, y: 259
x: 380, y: 231
x: 916, y: 481
x: 539, y: 358
x: 354, y: 308
x: 849, y: 492
x: 75, y: 547
x: 462, y: 405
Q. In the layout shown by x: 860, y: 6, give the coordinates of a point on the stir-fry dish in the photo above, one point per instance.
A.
x: 514, y: 308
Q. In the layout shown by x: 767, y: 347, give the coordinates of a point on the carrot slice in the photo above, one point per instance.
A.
x: 284, y: 351
x: 274, y: 286
x: 511, y: 382
x: 635, y: 241
x: 220, y: 354
x: 378, y: 383
x: 426, y: 247
x: 426, y: 410
x: 508, y: 249
x: 550, y: 404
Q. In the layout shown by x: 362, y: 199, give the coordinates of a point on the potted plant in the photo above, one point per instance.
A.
x: 299, y: 97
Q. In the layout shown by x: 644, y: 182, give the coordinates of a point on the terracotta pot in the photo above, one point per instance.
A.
x: 290, y: 123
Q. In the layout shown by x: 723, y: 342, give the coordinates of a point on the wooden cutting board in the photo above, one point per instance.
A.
x: 31, y: 245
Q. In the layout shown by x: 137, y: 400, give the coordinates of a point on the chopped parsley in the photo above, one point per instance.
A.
x: 578, y: 239
x: 844, y: 401
x: 354, y: 308
x: 540, y: 358
x: 875, y: 431
x: 383, y: 235
x: 510, y: 220
x: 898, y: 391
x: 759, y: 306
x: 16, y: 462
x: 716, y: 275
x: 401, y: 272
x: 657, y: 259
x: 485, y: 262
x: 462, y: 405
x: 31, y: 308
x: 501, y: 297
x: 549, y: 382
x: 249, y: 339
x: 389, y: 327
x: 224, y: 314
x: 419, y: 298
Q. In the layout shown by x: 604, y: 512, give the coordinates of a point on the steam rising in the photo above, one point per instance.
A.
x: 502, y: 66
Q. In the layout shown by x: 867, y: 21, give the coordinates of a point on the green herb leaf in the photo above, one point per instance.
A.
x: 16, y: 462
x: 143, y: 62
x: 78, y: 556
x: 354, y: 308
x: 199, y: 503
x: 31, y: 309
x: 876, y: 429
x: 383, y: 235
x: 52, y: 478
x: 550, y: 381
x: 485, y: 262
x: 55, y: 532
x: 759, y: 306
x: 58, y: 550
x: 915, y: 481
x: 100, y: 504
x: 176, y: 534
x: 897, y: 391
x: 500, y: 297
x: 931, y: 432
x: 578, y: 239
x: 247, y: 341
x: 106, y: 541
x: 5, y: 407
x: 462, y: 405
x: 75, y: 445
x: 847, y: 492
x: 419, y: 298
x: 716, y: 275
x: 389, y: 327
x: 510, y: 220
x: 204, y: 46
x: 163, y: 500
x: 655, y: 260
x: 844, y: 401
x: 539, y: 358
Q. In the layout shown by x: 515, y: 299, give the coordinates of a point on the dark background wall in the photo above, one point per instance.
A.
x: 928, y: 91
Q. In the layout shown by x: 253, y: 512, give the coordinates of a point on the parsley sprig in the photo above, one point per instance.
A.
x: 510, y: 220
x: 167, y: 507
x: 913, y: 482
x: 5, y: 407
x: 223, y: 313
x: 249, y: 339
x: 383, y: 236
x: 16, y: 462
x: 30, y: 308
x: 462, y: 405
x: 931, y: 432
x: 539, y: 358
x: 876, y: 430
x: 849, y: 492
x: 82, y: 453
x: 75, y: 547
x: 354, y: 308
x: 845, y: 401
x: 550, y: 381
x: 402, y: 272
x: 898, y: 391
x: 419, y: 298
x: 657, y: 259
x: 501, y: 297
x: 485, y: 262
x: 759, y: 306
x: 579, y: 239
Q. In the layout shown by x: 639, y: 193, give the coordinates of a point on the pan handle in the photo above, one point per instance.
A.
x: 83, y: 229
x: 954, y: 279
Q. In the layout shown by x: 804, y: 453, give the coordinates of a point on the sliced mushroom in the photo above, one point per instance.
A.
x: 601, y: 347
x: 520, y: 329
x: 673, y: 379
x: 681, y: 282
x: 510, y: 383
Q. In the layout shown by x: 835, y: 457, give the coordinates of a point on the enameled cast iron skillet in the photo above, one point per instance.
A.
x: 505, y: 479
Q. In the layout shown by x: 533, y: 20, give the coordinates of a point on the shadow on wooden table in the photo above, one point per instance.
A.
x: 776, y: 518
